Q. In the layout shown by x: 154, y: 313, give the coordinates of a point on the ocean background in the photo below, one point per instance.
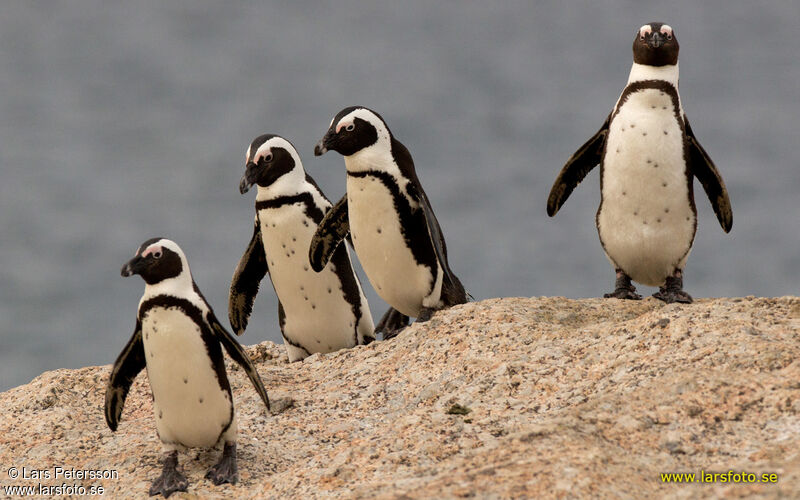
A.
x: 121, y: 121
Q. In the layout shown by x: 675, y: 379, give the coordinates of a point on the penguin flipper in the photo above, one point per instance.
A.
x: 708, y: 175
x: 249, y: 272
x: 580, y: 163
x: 238, y: 354
x: 128, y: 364
x: 453, y: 291
x: 333, y: 228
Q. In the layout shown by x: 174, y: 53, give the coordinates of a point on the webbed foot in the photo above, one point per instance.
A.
x: 672, y: 290
x: 392, y: 323
x: 171, y: 479
x: 425, y: 314
x: 623, y: 288
x: 225, y: 471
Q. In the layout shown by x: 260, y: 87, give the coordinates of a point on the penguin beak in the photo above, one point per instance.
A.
x: 248, y: 179
x: 324, y: 144
x: 656, y: 40
x: 133, y: 266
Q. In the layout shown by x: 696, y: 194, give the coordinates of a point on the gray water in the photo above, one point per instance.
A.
x: 127, y: 120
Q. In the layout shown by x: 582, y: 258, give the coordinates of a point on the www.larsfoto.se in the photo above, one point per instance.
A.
x: 719, y: 477
x: 63, y: 489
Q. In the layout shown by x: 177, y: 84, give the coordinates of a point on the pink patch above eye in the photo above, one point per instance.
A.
x: 339, y: 127
x: 151, y: 250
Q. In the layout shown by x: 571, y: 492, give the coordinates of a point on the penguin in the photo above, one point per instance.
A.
x: 177, y: 339
x: 394, y: 230
x: 648, y: 157
x: 318, y: 312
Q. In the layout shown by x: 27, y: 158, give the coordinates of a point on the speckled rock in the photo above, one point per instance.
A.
x: 501, y: 398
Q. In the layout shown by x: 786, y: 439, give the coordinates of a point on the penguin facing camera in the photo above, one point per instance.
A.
x: 648, y: 157
x: 318, y: 312
x: 177, y: 339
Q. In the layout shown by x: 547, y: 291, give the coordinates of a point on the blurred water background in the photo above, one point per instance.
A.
x: 127, y: 120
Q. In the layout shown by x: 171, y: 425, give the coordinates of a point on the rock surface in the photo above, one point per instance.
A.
x: 501, y: 398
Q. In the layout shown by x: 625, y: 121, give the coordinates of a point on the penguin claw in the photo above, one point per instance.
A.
x: 226, y: 470
x: 623, y: 288
x: 623, y: 293
x: 223, y: 473
x: 672, y: 290
x: 425, y: 314
x: 392, y: 323
x: 671, y: 296
x: 391, y: 333
x: 170, y: 481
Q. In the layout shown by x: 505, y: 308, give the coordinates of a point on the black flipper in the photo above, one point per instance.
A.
x: 705, y: 171
x: 333, y: 228
x: 580, y: 163
x: 453, y: 291
x: 128, y: 364
x: 238, y: 354
x: 249, y: 272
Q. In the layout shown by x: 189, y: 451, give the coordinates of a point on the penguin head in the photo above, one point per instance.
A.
x: 269, y: 158
x: 655, y: 45
x: 352, y: 130
x: 156, y: 260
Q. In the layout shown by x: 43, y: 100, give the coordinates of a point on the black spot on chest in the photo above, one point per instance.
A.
x: 413, y: 226
x: 211, y: 343
x: 667, y: 89
x: 664, y: 87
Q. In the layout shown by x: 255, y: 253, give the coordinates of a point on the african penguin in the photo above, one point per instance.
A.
x: 318, y: 312
x: 177, y: 338
x: 394, y: 230
x: 648, y: 156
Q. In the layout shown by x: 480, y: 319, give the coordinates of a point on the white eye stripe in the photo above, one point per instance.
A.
x: 154, y: 250
x: 345, y: 125
x: 264, y: 152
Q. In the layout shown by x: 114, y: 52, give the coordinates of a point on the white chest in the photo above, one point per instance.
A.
x: 317, y: 315
x: 381, y: 247
x: 646, y: 221
x: 190, y: 408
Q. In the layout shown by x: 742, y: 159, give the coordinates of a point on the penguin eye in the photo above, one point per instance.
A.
x: 669, y: 36
x: 350, y: 127
x: 641, y: 37
x: 157, y: 254
x: 267, y: 158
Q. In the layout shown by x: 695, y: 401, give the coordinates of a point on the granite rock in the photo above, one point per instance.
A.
x: 512, y: 397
